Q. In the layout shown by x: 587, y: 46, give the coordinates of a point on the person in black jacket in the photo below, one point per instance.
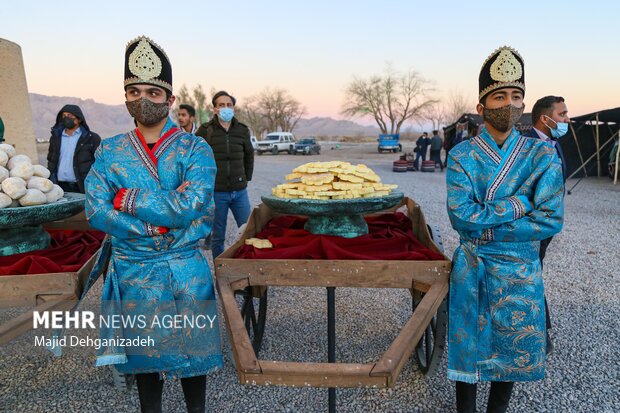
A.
x: 550, y: 122
x: 234, y: 156
x: 421, y: 147
x: 72, y: 149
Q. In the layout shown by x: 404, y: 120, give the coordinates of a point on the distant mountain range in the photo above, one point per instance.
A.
x: 109, y: 120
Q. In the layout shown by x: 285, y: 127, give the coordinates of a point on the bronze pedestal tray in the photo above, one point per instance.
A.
x: 341, y: 217
x: 21, y: 230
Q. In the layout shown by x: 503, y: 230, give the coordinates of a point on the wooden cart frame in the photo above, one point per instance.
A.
x: 43, y: 292
x: 429, y: 280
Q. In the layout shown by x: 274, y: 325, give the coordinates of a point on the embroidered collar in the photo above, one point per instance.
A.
x: 149, y: 157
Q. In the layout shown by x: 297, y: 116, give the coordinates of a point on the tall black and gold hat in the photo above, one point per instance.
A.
x: 147, y: 63
x: 503, y: 68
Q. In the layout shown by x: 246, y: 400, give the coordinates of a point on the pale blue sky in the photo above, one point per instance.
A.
x: 314, y: 48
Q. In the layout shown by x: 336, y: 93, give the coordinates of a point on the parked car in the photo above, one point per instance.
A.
x: 307, y: 146
x: 254, y: 142
x: 276, y: 142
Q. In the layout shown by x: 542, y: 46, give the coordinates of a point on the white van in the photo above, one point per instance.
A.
x: 276, y: 142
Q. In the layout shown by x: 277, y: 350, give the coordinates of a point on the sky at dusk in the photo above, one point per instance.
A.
x: 313, y: 49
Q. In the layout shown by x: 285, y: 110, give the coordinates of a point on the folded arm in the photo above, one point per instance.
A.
x: 468, y: 214
x: 175, y: 208
x: 547, y: 217
x: 100, y: 211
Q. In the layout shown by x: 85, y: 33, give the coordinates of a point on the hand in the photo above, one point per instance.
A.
x: 183, y: 186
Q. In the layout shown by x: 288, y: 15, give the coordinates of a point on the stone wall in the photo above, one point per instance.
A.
x: 14, y: 103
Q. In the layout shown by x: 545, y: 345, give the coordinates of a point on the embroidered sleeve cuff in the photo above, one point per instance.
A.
x: 125, y: 200
x: 119, y: 199
x: 521, y: 205
x: 153, y: 230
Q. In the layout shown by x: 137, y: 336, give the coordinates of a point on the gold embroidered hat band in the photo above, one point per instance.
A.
x: 147, y: 63
x: 502, y: 69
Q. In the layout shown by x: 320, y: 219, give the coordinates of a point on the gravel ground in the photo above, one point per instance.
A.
x: 583, y: 289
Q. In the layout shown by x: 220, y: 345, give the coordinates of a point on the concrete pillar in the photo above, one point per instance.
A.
x: 15, y: 108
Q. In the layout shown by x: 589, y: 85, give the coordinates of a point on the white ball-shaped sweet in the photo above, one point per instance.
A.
x: 42, y: 171
x: 17, y: 159
x: 33, y: 197
x: 55, y: 194
x: 4, y: 158
x: 22, y: 170
x: 42, y: 184
x: 8, y: 149
x: 5, y: 200
x: 14, y: 187
x: 4, y: 173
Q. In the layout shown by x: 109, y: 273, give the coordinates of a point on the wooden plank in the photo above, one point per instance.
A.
x: 245, y: 358
x: 23, y: 323
x: 393, y: 360
x: 278, y: 373
x: 22, y: 290
x: 239, y: 284
x: 337, y: 273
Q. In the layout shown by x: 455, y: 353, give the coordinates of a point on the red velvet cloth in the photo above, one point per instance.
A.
x: 390, y: 237
x: 68, y: 251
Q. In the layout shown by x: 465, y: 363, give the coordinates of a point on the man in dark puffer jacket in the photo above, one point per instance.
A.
x: 72, y: 149
x: 234, y: 157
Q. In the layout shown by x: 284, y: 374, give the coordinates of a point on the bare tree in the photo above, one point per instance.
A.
x: 390, y: 99
x: 456, y: 105
x: 280, y: 110
x: 435, y: 114
x: 251, y: 114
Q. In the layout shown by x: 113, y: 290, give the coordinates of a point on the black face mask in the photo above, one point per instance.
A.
x: 68, y: 123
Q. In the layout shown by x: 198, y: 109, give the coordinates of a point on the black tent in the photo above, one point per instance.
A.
x: 473, y: 122
x: 588, y: 145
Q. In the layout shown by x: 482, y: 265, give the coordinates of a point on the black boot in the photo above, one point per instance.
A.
x: 499, y: 397
x: 194, y: 390
x: 150, y: 388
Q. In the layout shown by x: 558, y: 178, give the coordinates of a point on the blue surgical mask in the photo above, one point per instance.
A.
x: 560, y: 130
x: 226, y: 114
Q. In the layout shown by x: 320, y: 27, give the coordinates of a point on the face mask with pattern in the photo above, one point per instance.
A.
x: 146, y: 112
x: 503, y: 119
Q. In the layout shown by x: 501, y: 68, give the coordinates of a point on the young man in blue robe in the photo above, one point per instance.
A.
x: 151, y: 190
x: 505, y: 195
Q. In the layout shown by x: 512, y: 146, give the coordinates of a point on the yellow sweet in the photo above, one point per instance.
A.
x: 335, y: 180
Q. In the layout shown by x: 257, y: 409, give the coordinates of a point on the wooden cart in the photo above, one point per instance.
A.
x: 43, y: 292
x: 424, y: 332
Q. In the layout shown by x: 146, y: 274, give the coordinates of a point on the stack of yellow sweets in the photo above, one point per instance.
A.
x: 332, y: 180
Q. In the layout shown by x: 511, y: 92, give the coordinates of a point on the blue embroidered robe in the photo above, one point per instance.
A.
x: 502, y: 202
x: 151, y: 273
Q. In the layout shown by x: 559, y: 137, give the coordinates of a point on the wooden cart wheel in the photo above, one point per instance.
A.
x: 254, y: 313
x: 431, y: 346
